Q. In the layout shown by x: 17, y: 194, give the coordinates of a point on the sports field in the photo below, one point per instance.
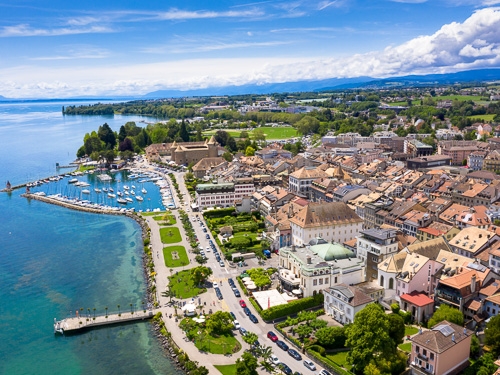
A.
x: 270, y: 132
x: 489, y: 117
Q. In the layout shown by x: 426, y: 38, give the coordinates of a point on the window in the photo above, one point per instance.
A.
x: 417, y: 349
x: 315, y: 282
x: 432, y: 356
x: 320, y: 281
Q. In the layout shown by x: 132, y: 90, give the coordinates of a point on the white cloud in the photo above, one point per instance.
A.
x: 177, y: 14
x: 24, y: 30
x: 472, y: 44
x: 409, y: 1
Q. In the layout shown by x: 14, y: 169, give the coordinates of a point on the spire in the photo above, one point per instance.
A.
x: 174, y: 145
x: 212, y: 140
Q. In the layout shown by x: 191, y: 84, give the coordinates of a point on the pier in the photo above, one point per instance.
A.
x: 79, y: 323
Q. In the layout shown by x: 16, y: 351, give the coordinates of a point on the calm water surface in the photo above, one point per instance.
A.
x: 54, y: 261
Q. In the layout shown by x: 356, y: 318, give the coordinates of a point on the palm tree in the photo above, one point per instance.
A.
x: 119, y: 313
x: 106, y: 308
x: 168, y: 293
x: 131, y: 309
x: 266, y: 352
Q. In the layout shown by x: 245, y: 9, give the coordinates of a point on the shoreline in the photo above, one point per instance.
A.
x: 165, y: 339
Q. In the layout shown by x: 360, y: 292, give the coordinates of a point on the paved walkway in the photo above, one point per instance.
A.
x: 162, y: 273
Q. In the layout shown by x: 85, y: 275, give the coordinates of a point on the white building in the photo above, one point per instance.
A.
x: 300, y: 181
x: 313, y: 268
x: 343, y: 302
x: 222, y: 195
x: 333, y: 221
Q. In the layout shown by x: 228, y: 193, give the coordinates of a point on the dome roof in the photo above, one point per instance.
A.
x: 332, y: 251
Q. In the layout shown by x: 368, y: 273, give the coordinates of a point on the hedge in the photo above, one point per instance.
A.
x: 292, y: 307
x: 219, y: 212
x: 329, y: 364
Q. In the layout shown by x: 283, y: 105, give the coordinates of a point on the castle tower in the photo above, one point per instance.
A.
x: 179, y: 156
x: 212, y: 147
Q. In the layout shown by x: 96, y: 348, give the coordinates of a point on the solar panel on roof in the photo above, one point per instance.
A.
x: 446, y: 330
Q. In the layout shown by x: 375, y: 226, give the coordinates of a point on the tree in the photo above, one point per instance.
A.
x: 266, y: 352
x: 445, y: 312
x: 200, y: 259
x: 368, y: 337
x: 183, y: 131
x: 107, y: 135
x: 475, y: 346
x: 250, y: 338
x: 244, y: 134
x: 219, y: 323
x: 397, y: 328
x: 122, y: 134
x: 250, y: 151
x: 227, y: 156
x: 303, y: 330
x: 492, y: 334
x: 333, y: 337
x: 246, y: 365
x: 200, y: 274
x: 126, y: 145
x: 168, y: 293
x: 258, y: 135
x: 307, y: 124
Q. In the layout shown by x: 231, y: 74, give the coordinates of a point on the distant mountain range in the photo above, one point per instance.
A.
x: 480, y: 75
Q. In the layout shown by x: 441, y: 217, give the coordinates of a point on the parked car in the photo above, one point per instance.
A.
x: 287, y: 370
x: 324, y: 372
x: 236, y: 324
x: 275, y: 359
x: 282, y: 345
x: 253, y: 318
x: 221, y: 263
x: 309, y: 364
x: 294, y: 354
x: 236, y: 292
x: 232, y: 315
x: 231, y: 282
x: 243, y: 331
x: 242, y: 303
x: 271, y: 335
x: 207, y: 236
x: 247, y: 311
x: 215, y: 285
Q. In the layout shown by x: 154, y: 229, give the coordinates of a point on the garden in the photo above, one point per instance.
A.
x: 187, y: 284
x: 214, y: 335
x: 244, y: 231
x: 175, y: 256
x: 166, y: 218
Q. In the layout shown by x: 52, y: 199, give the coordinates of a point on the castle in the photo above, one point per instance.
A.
x: 183, y: 153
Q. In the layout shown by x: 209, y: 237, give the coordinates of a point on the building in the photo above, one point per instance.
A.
x: 430, y: 161
x: 203, y: 167
x: 442, y: 350
x: 471, y: 241
x: 475, y: 160
x: 183, y: 153
x: 309, y: 270
x: 418, y: 304
x: 300, y: 181
x: 223, y: 194
x: 342, y: 302
x: 333, y: 221
x: 373, y: 246
x: 417, y: 148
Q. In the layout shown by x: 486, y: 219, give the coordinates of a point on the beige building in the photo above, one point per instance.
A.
x: 183, y: 153
x: 442, y: 350
x: 333, y: 221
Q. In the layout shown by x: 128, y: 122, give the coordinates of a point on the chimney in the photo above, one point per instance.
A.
x: 308, y: 259
x: 473, y: 283
x: 453, y: 337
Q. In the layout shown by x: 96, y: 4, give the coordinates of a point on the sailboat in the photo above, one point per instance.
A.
x: 139, y: 198
x: 121, y: 200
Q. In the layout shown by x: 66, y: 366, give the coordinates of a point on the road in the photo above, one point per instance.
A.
x: 230, y: 302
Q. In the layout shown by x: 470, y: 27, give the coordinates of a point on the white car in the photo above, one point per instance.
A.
x: 215, y: 285
x: 309, y: 364
x: 208, y: 249
x: 236, y: 324
x: 275, y: 360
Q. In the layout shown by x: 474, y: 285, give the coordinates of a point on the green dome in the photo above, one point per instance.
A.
x: 332, y: 251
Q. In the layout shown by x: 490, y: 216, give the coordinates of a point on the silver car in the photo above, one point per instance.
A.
x: 309, y: 364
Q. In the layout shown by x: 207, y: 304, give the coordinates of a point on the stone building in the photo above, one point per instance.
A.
x: 183, y: 153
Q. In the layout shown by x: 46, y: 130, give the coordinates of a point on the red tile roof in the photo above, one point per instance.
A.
x: 417, y: 298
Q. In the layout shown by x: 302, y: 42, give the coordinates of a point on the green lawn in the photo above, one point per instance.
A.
x: 151, y: 213
x: 226, y: 369
x: 410, y: 330
x: 340, y: 358
x: 170, y: 235
x: 489, y: 117
x: 175, y: 256
x: 406, y: 347
x: 166, y: 218
x: 183, y: 286
x: 218, y: 345
x: 270, y: 132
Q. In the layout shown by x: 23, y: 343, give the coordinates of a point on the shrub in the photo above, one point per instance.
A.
x: 318, y: 349
x: 292, y: 307
x: 395, y: 308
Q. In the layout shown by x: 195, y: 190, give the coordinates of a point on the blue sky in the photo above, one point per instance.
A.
x: 63, y: 48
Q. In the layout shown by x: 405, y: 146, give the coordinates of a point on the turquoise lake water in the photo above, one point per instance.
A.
x: 54, y: 261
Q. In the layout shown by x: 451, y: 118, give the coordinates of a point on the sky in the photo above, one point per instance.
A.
x: 60, y: 49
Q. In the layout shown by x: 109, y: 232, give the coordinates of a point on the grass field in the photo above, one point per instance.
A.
x: 226, y: 369
x: 406, y: 347
x: 170, y: 235
x: 175, y: 256
x: 218, y: 345
x: 410, y: 330
x: 165, y: 219
x: 270, y: 132
x: 340, y: 358
x: 183, y: 285
x: 489, y: 117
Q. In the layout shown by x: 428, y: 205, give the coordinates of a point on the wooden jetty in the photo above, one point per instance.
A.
x: 78, y: 323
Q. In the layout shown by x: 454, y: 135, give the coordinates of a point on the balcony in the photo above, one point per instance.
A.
x: 288, y: 277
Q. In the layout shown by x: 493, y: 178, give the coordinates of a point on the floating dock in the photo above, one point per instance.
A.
x: 80, y: 323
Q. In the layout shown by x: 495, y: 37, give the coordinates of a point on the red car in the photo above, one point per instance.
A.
x: 242, y: 303
x: 271, y: 335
